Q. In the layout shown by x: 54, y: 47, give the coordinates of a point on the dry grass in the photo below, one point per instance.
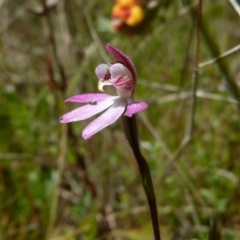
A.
x: 54, y: 185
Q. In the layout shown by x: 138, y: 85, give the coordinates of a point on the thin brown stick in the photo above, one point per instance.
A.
x: 222, y: 56
x: 195, y: 73
x: 222, y: 66
x: 52, y: 40
x: 189, y: 130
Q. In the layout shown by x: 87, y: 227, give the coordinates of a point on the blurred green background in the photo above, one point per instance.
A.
x: 54, y: 185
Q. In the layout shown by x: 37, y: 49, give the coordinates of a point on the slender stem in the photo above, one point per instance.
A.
x: 195, y: 71
x: 222, y: 66
x: 190, y: 127
x: 214, y: 229
x: 64, y: 129
x: 221, y: 56
x: 53, y: 44
x: 130, y: 129
x: 60, y: 167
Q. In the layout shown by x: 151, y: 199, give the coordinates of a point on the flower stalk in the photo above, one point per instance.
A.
x: 130, y: 130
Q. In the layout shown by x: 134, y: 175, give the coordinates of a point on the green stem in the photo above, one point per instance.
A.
x: 221, y: 64
x: 130, y: 129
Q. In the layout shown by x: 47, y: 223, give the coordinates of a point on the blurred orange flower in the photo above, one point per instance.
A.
x: 129, y: 12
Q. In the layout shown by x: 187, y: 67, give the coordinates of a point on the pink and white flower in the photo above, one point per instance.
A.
x: 122, y: 76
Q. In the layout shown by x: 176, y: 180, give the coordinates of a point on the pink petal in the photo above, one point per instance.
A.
x: 107, y: 118
x: 86, y: 111
x: 118, y: 70
x: 102, y: 72
x: 121, y: 57
x: 88, y: 98
x: 135, y: 107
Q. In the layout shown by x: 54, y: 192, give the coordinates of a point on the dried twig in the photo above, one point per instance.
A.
x: 226, y: 54
x: 223, y: 68
x: 200, y: 94
x: 189, y: 130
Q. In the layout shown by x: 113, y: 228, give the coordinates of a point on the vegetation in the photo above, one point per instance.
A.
x: 55, y: 185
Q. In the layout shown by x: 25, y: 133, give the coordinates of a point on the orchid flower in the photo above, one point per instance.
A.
x: 121, y: 75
